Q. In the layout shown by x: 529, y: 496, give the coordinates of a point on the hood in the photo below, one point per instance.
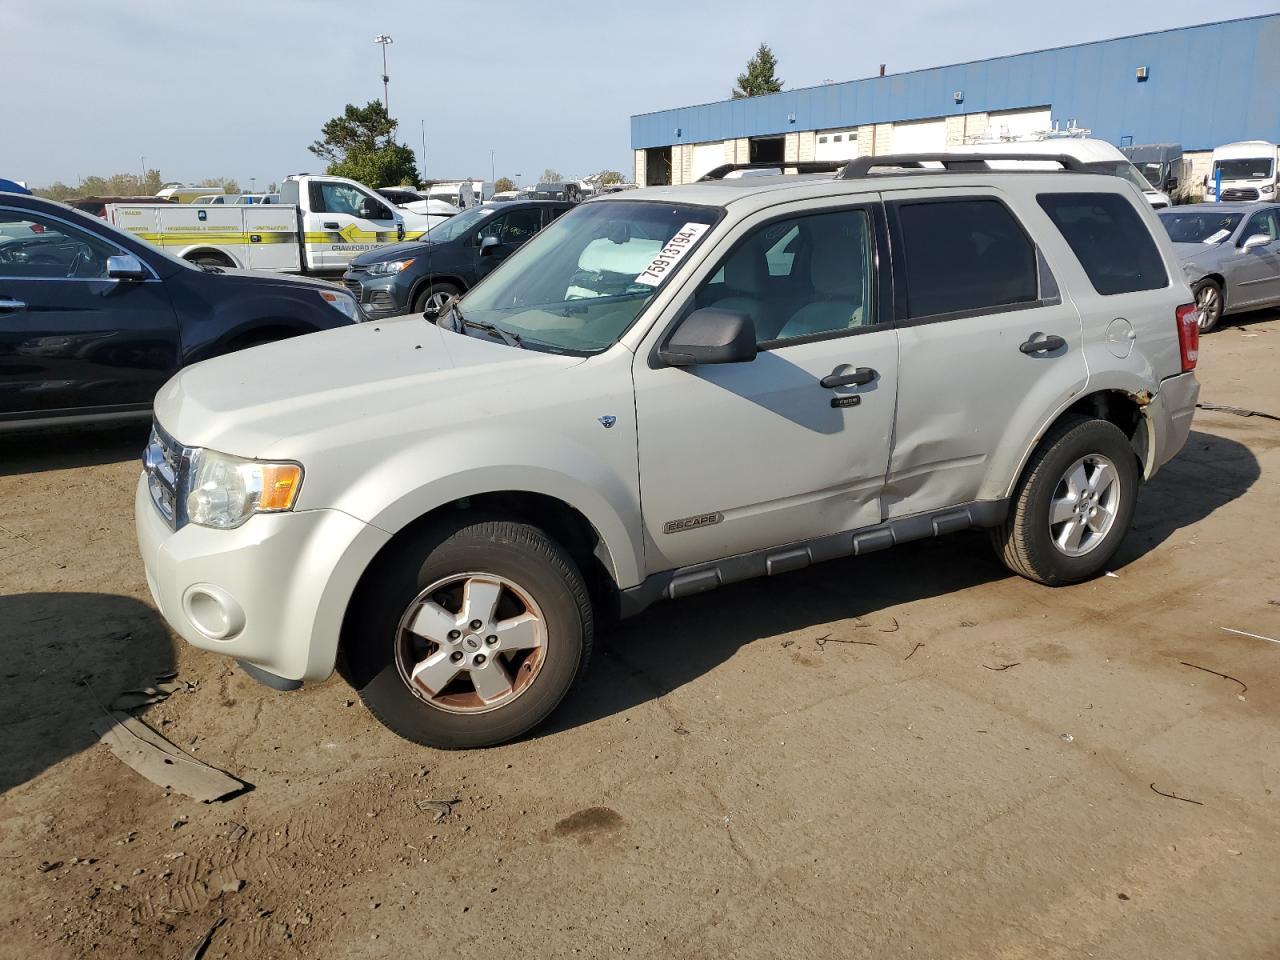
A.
x: 263, y: 278
x: 1187, y: 252
x: 373, y: 376
x: 394, y: 251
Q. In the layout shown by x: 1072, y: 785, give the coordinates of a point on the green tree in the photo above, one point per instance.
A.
x: 504, y: 184
x: 551, y: 176
x: 760, y: 78
x: 607, y: 177
x: 361, y: 145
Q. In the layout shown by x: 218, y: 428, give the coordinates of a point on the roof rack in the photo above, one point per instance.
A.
x: 781, y: 166
x: 953, y: 163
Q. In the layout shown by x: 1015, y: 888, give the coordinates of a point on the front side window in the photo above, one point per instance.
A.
x: 800, y: 277
x: 33, y: 246
x: 1262, y: 223
x: 344, y: 199
x: 513, y: 228
x: 963, y: 256
x: 1109, y: 239
x: 580, y: 283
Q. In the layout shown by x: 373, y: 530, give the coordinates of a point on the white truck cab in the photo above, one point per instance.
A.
x: 319, y: 225
x: 1249, y: 170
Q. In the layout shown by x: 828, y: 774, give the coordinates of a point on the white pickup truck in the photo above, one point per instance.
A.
x: 320, y: 225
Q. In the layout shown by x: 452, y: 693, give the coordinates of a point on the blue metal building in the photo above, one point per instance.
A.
x: 1199, y: 86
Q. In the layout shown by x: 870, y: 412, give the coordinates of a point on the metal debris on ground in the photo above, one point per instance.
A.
x: 236, y: 831
x: 1174, y: 796
x: 893, y: 629
x: 162, y: 762
x: 1244, y: 687
x: 1065, y: 737
x: 200, y: 946
x: 1255, y: 636
x: 913, y: 652
x: 159, y: 691
x: 1238, y: 411
x: 1004, y: 666
x: 441, y: 808
x: 1110, y: 574
x: 826, y: 638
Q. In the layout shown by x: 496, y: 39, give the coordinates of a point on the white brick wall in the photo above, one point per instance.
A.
x: 807, y: 144
x: 640, y: 167
x: 791, y: 147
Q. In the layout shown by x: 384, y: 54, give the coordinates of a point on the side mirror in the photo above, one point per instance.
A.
x: 711, y: 335
x: 373, y: 211
x: 126, y: 267
x: 487, y: 244
x: 1257, y: 240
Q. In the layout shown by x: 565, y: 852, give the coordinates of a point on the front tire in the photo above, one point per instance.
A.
x: 1073, y: 504
x: 427, y: 671
x: 1208, y: 296
x: 434, y: 296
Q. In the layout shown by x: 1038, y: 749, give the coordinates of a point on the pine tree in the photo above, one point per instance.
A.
x: 759, y: 78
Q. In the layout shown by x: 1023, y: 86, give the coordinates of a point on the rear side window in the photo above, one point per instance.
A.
x: 1109, y: 239
x: 964, y: 256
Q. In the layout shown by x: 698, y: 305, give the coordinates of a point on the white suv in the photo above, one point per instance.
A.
x: 665, y: 391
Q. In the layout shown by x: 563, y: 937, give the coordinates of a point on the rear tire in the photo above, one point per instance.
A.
x: 212, y: 260
x: 419, y: 676
x: 1073, y: 504
x: 434, y: 295
x: 1208, y: 296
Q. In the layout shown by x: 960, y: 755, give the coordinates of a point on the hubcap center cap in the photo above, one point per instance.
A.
x: 472, y: 642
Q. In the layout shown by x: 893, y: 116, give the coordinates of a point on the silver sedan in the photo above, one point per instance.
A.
x: 1230, y: 254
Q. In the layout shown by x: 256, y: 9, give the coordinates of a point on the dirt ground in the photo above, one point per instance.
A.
x: 908, y: 754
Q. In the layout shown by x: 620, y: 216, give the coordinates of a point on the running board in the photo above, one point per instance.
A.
x: 701, y: 577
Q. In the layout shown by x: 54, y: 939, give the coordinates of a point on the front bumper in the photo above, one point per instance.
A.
x: 379, y: 297
x: 271, y: 593
x: 1170, y: 413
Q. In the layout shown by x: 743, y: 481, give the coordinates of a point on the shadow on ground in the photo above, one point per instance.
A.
x: 673, y: 643
x: 49, y: 644
x: 65, y: 448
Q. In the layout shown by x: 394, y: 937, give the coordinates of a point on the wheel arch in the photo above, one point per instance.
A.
x: 191, y: 254
x: 431, y: 278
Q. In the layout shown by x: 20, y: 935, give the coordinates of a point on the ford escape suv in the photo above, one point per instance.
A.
x: 662, y: 392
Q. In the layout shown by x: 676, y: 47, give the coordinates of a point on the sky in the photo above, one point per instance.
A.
x: 240, y: 89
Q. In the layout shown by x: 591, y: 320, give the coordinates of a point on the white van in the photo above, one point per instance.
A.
x: 1096, y: 155
x: 1248, y: 171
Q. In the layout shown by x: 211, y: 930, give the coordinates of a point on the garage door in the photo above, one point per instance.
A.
x: 919, y: 136
x: 836, y: 145
x: 1018, y: 124
x: 706, y: 157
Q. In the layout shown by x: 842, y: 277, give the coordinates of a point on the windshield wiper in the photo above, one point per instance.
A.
x: 506, y: 336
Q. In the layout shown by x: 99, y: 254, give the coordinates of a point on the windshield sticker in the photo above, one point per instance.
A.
x: 1218, y: 237
x: 684, y: 240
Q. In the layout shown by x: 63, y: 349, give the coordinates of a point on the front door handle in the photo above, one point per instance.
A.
x: 11, y: 306
x: 1044, y: 345
x: 332, y: 225
x: 860, y: 376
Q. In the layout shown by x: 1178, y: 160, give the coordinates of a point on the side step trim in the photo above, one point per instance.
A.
x: 701, y: 577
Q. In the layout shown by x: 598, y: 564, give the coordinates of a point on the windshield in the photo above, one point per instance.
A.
x: 1200, y: 226
x: 1123, y: 169
x: 457, y: 225
x: 580, y: 283
x: 1153, y: 173
x: 1258, y: 168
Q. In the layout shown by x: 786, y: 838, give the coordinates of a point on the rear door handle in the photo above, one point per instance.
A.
x: 860, y: 376
x: 1044, y: 345
x: 11, y: 306
x: 332, y: 225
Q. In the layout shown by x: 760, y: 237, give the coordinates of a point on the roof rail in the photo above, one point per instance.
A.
x: 953, y: 162
x: 780, y: 166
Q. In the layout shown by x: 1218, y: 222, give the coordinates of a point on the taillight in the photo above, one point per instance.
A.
x: 1189, y: 335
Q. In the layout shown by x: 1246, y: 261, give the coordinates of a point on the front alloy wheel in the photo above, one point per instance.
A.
x: 1084, y: 505
x: 1209, y: 301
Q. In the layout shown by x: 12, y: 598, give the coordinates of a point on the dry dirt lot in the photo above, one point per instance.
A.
x: 908, y: 754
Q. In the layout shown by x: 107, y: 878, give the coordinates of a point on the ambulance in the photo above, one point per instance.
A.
x: 319, y: 226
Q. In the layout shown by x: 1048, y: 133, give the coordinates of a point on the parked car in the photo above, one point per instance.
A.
x: 1230, y: 255
x: 93, y: 321
x: 456, y: 505
x: 451, y: 259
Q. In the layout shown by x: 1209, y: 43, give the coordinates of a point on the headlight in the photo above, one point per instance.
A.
x: 343, y: 302
x: 226, y: 491
x: 1268, y: 188
x: 387, y: 267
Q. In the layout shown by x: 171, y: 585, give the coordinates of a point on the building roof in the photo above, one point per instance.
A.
x: 1206, y: 84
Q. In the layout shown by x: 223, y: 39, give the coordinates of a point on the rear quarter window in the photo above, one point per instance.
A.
x: 1110, y: 240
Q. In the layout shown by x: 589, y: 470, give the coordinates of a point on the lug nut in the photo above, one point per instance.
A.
x: 456, y: 656
x: 454, y: 634
x: 476, y: 624
x: 491, y: 640
x: 480, y: 659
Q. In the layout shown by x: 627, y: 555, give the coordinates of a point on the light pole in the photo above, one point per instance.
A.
x: 253, y: 184
x: 382, y: 40
x: 492, y: 178
x: 143, y: 161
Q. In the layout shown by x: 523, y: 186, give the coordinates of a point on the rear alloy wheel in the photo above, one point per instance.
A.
x: 434, y: 297
x: 1209, y: 300
x: 1073, y: 504
x: 469, y: 635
